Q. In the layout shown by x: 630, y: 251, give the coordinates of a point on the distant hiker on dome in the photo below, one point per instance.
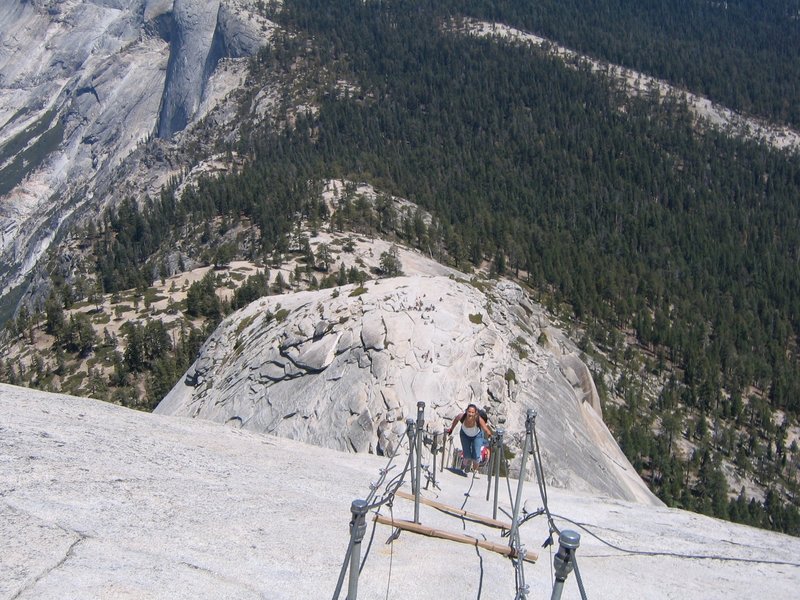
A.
x: 474, y: 427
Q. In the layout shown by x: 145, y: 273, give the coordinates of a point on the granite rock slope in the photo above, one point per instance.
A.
x: 344, y: 368
x: 99, y: 501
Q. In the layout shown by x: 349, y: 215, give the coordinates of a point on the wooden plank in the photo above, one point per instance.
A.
x: 461, y: 538
x: 456, y: 511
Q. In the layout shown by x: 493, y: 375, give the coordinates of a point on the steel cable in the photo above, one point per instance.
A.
x: 391, y: 553
x: 393, y: 485
x: 677, y: 554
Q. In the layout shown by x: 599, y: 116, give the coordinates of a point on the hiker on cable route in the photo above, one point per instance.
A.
x: 473, y: 429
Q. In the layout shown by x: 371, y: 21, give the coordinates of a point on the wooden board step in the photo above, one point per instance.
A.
x: 461, y: 538
x: 456, y: 511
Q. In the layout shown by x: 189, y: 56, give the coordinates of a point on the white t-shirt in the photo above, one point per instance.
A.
x: 470, y: 431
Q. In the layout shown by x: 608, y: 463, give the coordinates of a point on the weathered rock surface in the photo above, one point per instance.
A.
x: 344, y: 368
x: 99, y: 502
x: 191, y: 59
x: 83, y: 85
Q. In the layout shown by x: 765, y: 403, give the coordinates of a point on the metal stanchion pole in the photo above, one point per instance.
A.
x: 420, y: 426
x: 411, y: 432
x: 434, y: 452
x: 499, y: 452
x: 514, y: 542
x: 568, y: 542
x: 531, y: 417
x: 358, y: 526
x: 444, y: 451
x: 490, y: 470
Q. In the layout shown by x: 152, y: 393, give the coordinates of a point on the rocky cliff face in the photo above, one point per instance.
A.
x: 190, y: 62
x: 345, y: 368
x: 83, y: 85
